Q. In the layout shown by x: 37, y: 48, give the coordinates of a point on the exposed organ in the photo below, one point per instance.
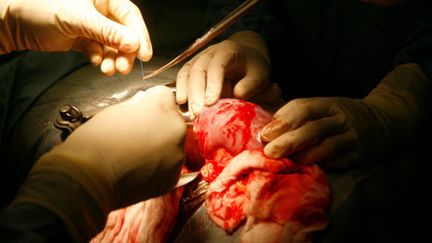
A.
x: 275, y: 200
x: 279, y: 200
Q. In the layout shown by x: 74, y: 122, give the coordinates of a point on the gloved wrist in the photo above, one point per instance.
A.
x: 79, y: 199
x: 399, y: 105
x: 119, y: 157
x: 253, y: 41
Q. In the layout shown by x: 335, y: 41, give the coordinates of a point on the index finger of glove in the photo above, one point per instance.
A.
x: 216, y: 74
x: 124, y: 62
x: 182, y: 83
x: 197, y: 82
x: 293, y: 115
x: 305, y: 136
x: 130, y: 16
x: 256, y: 79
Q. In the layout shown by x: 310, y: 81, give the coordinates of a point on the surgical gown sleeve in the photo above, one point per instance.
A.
x: 32, y: 223
x: 418, y: 46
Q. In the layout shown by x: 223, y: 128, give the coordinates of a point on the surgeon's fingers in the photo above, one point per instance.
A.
x: 129, y: 14
x: 303, y: 137
x: 248, y: 86
x: 182, y: 83
x: 108, y: 62
x: 124, y: 62
x: 216, y: 74
x: 293, y: 115
x: 94, y: 52
x: 256, y: 79
x: 95, y: 24
x: 197, y: 83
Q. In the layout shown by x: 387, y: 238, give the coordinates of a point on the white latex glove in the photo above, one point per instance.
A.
x: 126, y: 153
x: 341, y: 132
x: 111, y: 33
x: 242, y: 61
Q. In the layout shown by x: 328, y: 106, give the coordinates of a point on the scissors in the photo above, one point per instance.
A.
x: 186, y: 178
x: 213, y: 32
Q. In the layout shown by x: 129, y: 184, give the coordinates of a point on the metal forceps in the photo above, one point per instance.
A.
x: 213, y: 32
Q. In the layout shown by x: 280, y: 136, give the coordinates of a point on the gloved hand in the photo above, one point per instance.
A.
x: 242, y: 59
x: 341, y: 132
x: 111, y: 33
x: 124, y: 154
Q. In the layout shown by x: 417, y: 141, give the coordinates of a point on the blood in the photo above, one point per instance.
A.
x: 274, y: 200
x: 231, y: 125
x: 246, y: 186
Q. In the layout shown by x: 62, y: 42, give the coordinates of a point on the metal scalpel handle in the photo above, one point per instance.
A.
x: 214, y: 31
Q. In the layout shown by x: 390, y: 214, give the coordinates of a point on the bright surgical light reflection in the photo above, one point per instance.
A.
x: 120, y: 95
